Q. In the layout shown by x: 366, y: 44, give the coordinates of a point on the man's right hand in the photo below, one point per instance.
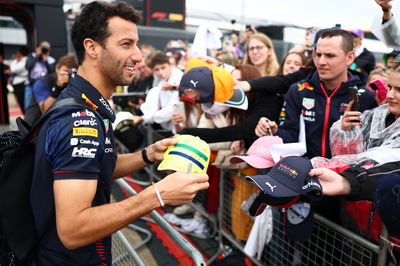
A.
x: 179, y: 188
x: 349, y: 117
x: 62, y: 79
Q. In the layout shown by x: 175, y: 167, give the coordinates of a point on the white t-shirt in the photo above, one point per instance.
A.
x: 159, y: 104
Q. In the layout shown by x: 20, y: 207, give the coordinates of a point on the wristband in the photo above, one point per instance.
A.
x: 385, y: 9
x: 145, y: 158
x: 158, y: 195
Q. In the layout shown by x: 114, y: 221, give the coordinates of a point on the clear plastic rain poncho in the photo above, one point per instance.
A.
x: 371, y: 143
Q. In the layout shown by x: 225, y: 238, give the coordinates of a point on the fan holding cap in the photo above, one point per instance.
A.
x: 212, y: 86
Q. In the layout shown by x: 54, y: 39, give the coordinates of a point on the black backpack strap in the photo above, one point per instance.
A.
x: 55, y: 106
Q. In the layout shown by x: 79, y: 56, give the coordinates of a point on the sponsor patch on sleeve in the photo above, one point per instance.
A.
x: 85, y: 131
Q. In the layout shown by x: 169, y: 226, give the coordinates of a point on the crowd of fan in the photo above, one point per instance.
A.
x: 312, y: 79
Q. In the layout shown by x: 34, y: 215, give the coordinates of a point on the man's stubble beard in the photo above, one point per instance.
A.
x: 113, y: 71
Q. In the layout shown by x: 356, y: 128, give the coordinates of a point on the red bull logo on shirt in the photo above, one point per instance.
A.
x: 304, y: 85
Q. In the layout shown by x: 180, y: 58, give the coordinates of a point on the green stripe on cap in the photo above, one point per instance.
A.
x: 192, y: 149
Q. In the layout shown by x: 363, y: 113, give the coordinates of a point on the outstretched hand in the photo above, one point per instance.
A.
x: 244, y: 85
x: 332, y: 183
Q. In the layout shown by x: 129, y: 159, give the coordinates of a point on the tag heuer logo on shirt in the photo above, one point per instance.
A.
x: 84, y: 131
x: 308, y: 103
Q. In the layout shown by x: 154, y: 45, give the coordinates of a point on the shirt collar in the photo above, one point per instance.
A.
x: 359, y: 50
x: 92, y: 96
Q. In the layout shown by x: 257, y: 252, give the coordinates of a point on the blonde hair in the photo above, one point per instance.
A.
x: 272, y: 65
x: 378, y: 71
x: 228, y: 57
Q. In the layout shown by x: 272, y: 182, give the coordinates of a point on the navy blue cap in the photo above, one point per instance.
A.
x: 387, y: 200
x: 201, y: 80
x: 299, y: 220
x: 288, y: 178
x: 262, y: 200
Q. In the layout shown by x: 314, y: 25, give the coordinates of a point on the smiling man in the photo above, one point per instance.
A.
x: 75, y: 157
x: 323, y: 97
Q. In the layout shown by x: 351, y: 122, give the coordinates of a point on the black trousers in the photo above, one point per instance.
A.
x: 19, y: 91
x: 4, y: 115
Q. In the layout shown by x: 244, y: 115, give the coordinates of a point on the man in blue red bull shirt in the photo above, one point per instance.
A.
x: 75, y: 158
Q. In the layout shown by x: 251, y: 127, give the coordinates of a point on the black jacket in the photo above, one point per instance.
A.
x: 364, y: 64
x: 363, y: 181
x: 320, y: 109
x: 267, y: 105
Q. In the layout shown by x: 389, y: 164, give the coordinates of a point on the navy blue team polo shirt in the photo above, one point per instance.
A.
x: 73, y: 143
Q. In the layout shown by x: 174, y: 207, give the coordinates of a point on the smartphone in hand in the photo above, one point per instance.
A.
x: 353, y: 96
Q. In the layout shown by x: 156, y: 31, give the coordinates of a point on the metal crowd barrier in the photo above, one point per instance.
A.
x: 123, y: 254
x: 330, y: 243
x: 169, y: 229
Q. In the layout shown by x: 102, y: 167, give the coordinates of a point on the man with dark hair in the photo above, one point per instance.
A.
x: 46, y: 89
x: 322, y: 97
x: 75, y: 158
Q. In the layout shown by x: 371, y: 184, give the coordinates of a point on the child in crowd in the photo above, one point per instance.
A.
x: 160, y: 100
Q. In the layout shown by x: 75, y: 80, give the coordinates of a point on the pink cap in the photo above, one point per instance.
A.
x: 259, y: 153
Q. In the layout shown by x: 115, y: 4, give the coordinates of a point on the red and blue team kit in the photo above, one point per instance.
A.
x: 73, y: 144
x: 320, y: 108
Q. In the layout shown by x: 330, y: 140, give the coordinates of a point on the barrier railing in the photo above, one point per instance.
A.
x: 122, y: 251
x: 169, y: 229
x: 330, y: 243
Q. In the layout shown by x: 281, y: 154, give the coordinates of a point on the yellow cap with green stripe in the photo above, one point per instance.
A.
x: 190, y: 155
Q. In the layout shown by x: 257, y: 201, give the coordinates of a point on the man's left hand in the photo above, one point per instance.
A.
x: 155, y: 152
